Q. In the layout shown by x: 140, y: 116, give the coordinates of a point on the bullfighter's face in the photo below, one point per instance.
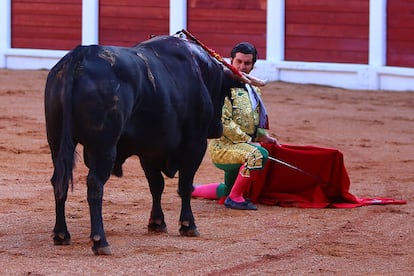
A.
x: 243, y: 62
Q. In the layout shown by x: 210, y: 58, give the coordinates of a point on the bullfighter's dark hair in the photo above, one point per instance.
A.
x: 245, y: 48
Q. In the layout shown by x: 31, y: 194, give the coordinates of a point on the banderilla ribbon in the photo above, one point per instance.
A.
x: 216, y: 56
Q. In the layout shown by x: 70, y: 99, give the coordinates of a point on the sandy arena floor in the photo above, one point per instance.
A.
x: 374, y: 130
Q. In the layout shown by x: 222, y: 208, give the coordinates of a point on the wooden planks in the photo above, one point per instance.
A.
x: 222, y: 24
x: 327, y: 31
x: 46, y: 24
x: 317, y: 30
x: 400, y: 33
x: 127, y: 22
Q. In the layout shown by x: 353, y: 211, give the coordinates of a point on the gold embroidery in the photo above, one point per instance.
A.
x: 239, y: 122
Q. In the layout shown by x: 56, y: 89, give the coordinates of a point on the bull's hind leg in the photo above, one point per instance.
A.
x: 61, y: 234
x: 156, y: 183
x: 100, y: 166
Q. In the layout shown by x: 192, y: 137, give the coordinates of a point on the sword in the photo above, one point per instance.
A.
x: 296, y: 168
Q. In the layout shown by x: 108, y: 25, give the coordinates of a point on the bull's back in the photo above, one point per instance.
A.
x: 177, y: 90
x: 153, y: 93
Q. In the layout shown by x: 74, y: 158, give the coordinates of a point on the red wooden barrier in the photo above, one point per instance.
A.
x: 222, y: 24
x: 127, y: 22
x: 327, y: 31
x: 46, y: 24
x: 400, y: 33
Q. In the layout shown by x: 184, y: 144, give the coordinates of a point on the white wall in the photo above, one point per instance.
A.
x: 373, y: 76
x: 5, y: 22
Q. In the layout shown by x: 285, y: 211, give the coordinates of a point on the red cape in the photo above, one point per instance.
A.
x: 324, y: 182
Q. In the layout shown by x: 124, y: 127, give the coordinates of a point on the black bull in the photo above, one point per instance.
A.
x: 159, y: 100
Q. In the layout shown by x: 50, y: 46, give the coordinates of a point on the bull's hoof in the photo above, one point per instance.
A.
x: 189, y: 229
x: 61, y: 239
x: 106, y: 250
x: 100, y: 246
x: 156, y: 226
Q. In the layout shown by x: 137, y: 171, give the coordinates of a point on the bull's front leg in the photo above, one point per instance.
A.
x: 188, y: 227
x: 190, y: 162
x: 156, y: 223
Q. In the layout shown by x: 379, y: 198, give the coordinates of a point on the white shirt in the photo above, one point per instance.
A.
x: 252, y: 95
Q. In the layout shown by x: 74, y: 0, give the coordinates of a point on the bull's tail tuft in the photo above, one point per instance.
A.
x: 63, y: 173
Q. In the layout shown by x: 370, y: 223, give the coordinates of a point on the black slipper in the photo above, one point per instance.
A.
x: 245, y: 205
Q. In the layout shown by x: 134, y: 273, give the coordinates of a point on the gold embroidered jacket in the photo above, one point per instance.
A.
x: 240, y: 123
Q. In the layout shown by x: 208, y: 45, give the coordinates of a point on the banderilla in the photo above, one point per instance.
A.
x: 315, y: 177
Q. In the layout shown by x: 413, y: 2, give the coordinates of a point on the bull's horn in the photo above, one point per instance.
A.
x: 236, y: 75
x: 245, y: 79
x: 254, y: 81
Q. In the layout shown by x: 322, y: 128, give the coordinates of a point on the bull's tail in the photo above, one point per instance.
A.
x: 64, y: 163
x: 65, y: 159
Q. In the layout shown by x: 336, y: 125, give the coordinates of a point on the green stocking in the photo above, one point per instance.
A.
x: 230, y: 175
